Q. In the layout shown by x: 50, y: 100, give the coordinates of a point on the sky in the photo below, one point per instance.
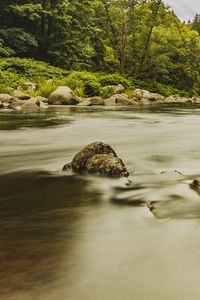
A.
x: 185, y: 9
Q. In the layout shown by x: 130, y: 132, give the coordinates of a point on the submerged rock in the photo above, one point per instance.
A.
x: 99, y: 159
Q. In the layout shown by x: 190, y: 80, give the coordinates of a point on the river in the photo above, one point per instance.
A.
x: 86, y: 238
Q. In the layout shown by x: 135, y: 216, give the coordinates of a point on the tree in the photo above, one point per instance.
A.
x: 195, y: 25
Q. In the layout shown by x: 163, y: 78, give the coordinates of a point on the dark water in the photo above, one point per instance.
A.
x: 78, y: 238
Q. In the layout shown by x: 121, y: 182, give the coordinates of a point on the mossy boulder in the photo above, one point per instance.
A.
x: 98, y: 158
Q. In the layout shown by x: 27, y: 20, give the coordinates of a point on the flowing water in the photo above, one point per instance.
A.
x: 86, y: 238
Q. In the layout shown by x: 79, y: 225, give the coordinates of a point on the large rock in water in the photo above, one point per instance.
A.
x: 99, y: 159
x: 63, y: 96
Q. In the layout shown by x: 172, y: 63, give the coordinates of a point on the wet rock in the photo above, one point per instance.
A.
x: 84, y: 102
x: 99, y: 159
x: 19, y: 95
x: 105, y: 164
x: 63, y: 95
x: 176, y: 209
x: 96, y: 101
x: 119, y: 99
x: 29, y: 107
x: 66, y: 167
x: 195, y: 185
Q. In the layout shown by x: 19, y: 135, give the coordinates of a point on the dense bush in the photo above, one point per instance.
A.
x: 30, y: 68
x: 84, y: 83
x: 165, y: 90
x: 114, y: 79
x: 15, y: 71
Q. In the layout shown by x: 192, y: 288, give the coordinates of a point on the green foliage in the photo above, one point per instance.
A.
x: 114, y: 79
x: 84, y: 83
x: 165, y: 90
x: 30, y: 68
x: 15, y: 71
x: 17, y: 40
x: 142, y: 40
x: 196, y: 23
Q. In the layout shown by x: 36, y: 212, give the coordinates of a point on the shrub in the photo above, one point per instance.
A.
x: 114, y: 79
x: 84, y: 84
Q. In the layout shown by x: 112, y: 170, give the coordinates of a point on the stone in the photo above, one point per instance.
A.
x: 16, y: 103
x: 30, y: 107
x: 30, y: 86
x: 110, y: 101
x: 84, y: 102
x: 119, y: 99
x: 145, y: 101
x: 20, y: 95
x: 18, y: 108
x: 147, y: 95
x: 143, y: 94
x: 38, y: 102
x: 119, y: 89
x: 63, y: 95
x: 96, y: 100
x: 6, y: 105
x: 41, y: 99
x: 114, y: 89
x: 170, y: 99
x: 98, y: 158
x: 138, y: 93
x: 5, y: 98
x: 105, y: 164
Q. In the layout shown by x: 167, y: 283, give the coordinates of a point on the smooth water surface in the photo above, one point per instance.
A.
x: 81, y: 238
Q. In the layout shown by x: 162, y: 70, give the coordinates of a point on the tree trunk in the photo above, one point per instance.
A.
x: 146, y: 47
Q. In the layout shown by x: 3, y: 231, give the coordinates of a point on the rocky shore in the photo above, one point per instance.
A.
x: 63, y: 95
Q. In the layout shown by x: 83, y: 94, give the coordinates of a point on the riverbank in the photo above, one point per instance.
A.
x: 63, y: 95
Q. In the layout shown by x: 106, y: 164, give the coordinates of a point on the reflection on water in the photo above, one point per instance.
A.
x: 69, y: 237
x: 12, y: 121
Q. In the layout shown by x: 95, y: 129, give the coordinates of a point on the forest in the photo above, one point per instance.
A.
x: 142, y: 41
